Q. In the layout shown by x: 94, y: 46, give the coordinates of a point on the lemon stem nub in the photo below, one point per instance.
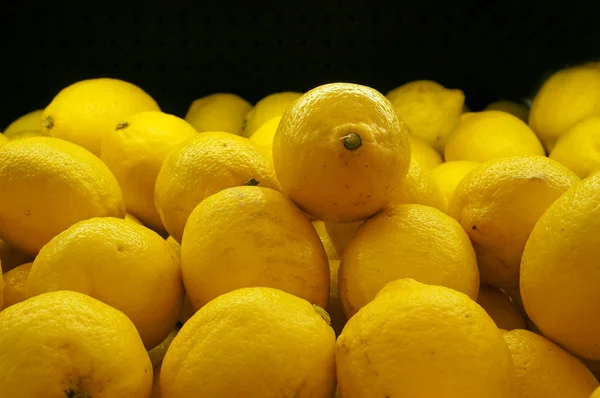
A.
x: 49, y: 122
x: 352, y: 141
x: 323, y: 314
x: 252, y: 182
x: 122, y: 125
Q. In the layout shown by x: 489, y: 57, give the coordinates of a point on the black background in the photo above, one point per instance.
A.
x: 180, y: 50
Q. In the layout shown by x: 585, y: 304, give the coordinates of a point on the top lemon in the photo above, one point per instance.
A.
x: 579, y: 147
x: 29, y: 121
x: 488, y: 135
x: 339, y: 152
x: 218, y: 112
x: 85, y: 111
x: 267, y: 108
x: 429, y: 110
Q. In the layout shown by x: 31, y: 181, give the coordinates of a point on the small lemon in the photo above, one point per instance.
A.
x: 23, y: 134
x: 271, y: 106
x: 514, y: 108
x: 326, y: 240
x: 15, y: 285
x: 419, y: 187
x: 157, y: 354
x: 218, y: 112
x: 449, y: 174
x: 340, y: 151
x: 424, y: 154
x: 500, y: 308
x: 579, y: 147
x: 263, y: 137
x: 27, y: 122
x: 488, y: 135
x: 4, y: 140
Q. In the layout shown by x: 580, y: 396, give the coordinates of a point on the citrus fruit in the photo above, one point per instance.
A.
x: 132, y: 218
x: 514, y: 108
x: 341, y: 234
x: 425, y: 155
x: 500, y: 308
x: 326, y: 240
x: 544, y: 370
x: 449, y: 174
x: 339, y: 151
x: 15, y: 285
x: 560, y: 273
x: 488, y: 135
x: 407, y: 241
x: 22, y: 134
x: 419, y: 187
x: 579, y: 147
x: 29, y: 121
x: 67, y: 344
x: 48, y: 185
x: 218, y: 112
x: 498, y: 204
x: 157, y: 354
x: 252, y: 236
x: 252, y: 342
x: 122, y: 264
x: 135, y: 150
x: 417, y: 340
x: 271, y: 106
x: 263, y: 137
x: 4, y: 140
x: 10, y: 258
x: 87, y: 110
x: 429, y: 110
x: 205, y: 165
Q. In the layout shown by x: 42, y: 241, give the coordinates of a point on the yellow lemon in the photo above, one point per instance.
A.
x: 67, y: 344
x: 408, y: 241
x: 132, y: 218
x: 218, y: 112
x: 419, y: 187
x: 10, y: 258
x: 87, y: 110
x: 449, y: 174
x: 15, y: 285
x: 596, y: 393
x: 157, y: 354
x: 570, y: 95
x: 545, y: 370
x: 252, y: 236
x: 579, y: 147
x: 488, y: 135
x: 514, y: 108
x: 429, y: 110
x: 500, y: 308
x: 4, y: 140
x: 122, y: 264
x: 416, y: 340
x: 22, y: 134
x: 271, y: 106
x: 341, y: 234
x: 339, y: 151
x: 48, y: 185
x: 253, y: 343
x: 560, y: 273
x: 135, y: 150
x: 27, y: 122
x: 326, y: 240
x: 498, y: 204
x: 424, y: 154
x: 263, y: 137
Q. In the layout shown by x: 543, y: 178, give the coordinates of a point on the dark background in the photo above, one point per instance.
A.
x: 180, y: 50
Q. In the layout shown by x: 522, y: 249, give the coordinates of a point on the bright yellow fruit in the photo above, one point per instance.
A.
x: 157, y: 354
x: 15, y: 285
x: 560, y: 274
x: 48, y: 185
x: 449, y: 174
x: 135, y: 150
x: 416, y: 340
x: 569, y: 96
x: 339, y: 152
x: 341, y: 234
x: 429, y: 110
x: 514, y: 108
x: 132, y: 218
x: 252, y: 236
x: 596, y: 393
x: 579, y: 147
x: 544, y: 370
x: 4, y: 140
x: 498, y: 204
x: 326, y: 240
x: 500, y: 308
x: 218, y: 112
x: 263, y: 137
x: 86, y: 111
x: 122, y: 264
x: 10, y: 258
x: 23, y: 134
x: 29, y: 121
x: 271, y: 106
x: 407, y: 241
x: 252, y: 343
x: 205, y: 165
x: 67, y: 344
x: 424, y: 154
x: 419, y: 187
x: 488, y: 135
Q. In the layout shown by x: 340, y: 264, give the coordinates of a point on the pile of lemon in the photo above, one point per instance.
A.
x: 333, y: 243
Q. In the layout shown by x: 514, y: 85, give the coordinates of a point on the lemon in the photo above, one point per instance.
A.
x: 122, y: 264
x: 579, y: 147
x: 341, y: 234
x: 488, y: 135
x: 157, y: 354
x: 500, y: 308
x: 28, y: 122
x: 424, y: 154
x: 560, y: 273
x: 252, y: 236
x: 568, y: 96
x: 545, y: 370
x: 326, y: 240
x: 203, y: 166
x: 218, y: 112
x: 4, y: 140
x: 596, y: 393
x: 135, y: 150
x: 271, y: 106
x: 252, y: 342
x: 498, y: 204
x: 15, y: 288
x: 449, y: 174
x: 132, y: 218
x: 67, y: 344
x: 10, y: 258
x: 514, y: 108
x: 419, y: 187
x: 263, y: 137
x: 429, y: 110
x: 339, y: 151
x: 22, y: 134
x: 48, y: 185
x: 87, y: 110
x: 416, y: 340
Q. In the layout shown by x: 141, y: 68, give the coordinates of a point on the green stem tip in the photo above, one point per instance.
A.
x: 323, y: 314
x: 352, y: 141
x: 48, y: 122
